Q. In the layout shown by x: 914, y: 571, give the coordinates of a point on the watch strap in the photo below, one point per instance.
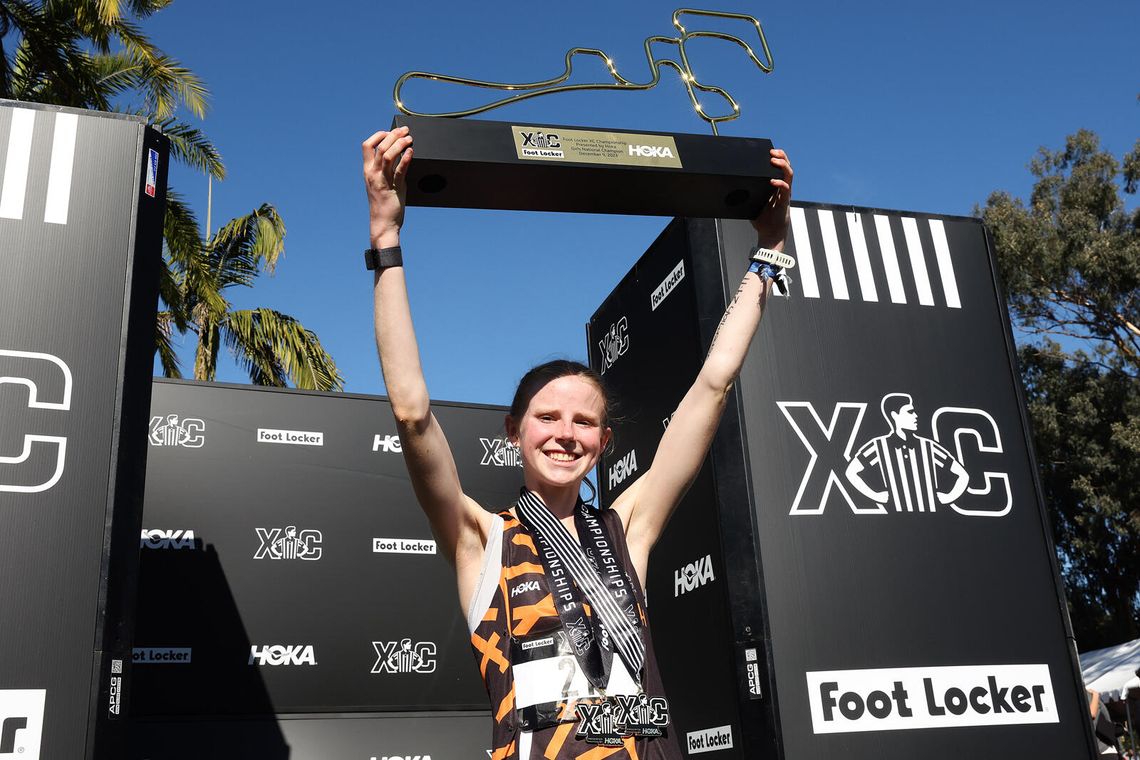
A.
x: 383, y: 258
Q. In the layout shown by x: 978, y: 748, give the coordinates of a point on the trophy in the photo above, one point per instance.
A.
x: 551, y: 167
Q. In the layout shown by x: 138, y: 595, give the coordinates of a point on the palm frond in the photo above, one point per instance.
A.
x: 48, y: 66
x: 189, y: 265
x: 164, y: 345
x: 108, y: 10
x: 144, y: 8
x: 246, y: 246
x: 115, y: 73
x: 191, y: 147
x: 272, y: 346
x: 164, y: 82
x: 180, y: 230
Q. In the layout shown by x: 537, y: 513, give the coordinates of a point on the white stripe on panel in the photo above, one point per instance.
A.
x: 804, y: 261
x: 919, y: 501
x: 928, y: 473
x: 59, y: 174
x: 831, y: 251
x: 905, y: 488
x: 945, y: 264
x: 890, y: 259
x: 889, y: 474
x: 16, y: 164
x: 862, y: 258
x: 917, y: 261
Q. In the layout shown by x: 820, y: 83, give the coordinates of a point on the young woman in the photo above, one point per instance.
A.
x: 552, y: 590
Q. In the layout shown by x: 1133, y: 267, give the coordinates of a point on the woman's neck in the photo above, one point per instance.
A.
x: 560, y: 501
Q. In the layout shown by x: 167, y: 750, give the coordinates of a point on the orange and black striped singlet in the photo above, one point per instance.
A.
x: 513, y: 601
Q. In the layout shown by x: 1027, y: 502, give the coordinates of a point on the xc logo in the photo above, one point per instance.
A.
x: 539, y: 140
x: 39, y: 465
x: 960, y: 467
x: 614, y: 343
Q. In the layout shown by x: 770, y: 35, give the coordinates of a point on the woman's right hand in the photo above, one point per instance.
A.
x: 385, y: 175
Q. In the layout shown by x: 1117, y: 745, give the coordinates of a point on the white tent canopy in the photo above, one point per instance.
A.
x: 1112, y: 671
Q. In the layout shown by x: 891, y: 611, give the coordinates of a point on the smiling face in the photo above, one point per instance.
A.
x: 561, y: 434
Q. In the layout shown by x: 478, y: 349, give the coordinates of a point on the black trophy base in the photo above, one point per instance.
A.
x: 505, y: 165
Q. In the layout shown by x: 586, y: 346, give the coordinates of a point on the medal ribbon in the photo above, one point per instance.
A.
x: 597, y: 573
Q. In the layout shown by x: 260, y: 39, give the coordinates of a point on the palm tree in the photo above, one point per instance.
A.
x: 272, y: 347
x: 63, y: 54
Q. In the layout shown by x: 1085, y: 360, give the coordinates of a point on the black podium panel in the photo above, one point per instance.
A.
x: 394, y: 736
x: 81, y: 203
x: 870, y: 553
x: 286, y: 566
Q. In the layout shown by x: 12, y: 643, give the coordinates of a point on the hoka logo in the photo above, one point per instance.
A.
x: 692, y: 576
x: 166, y: 539
x: 278, y: 654
x: 389, y: 444
x: 522, y: 588
x: 623, y: 468
x: 650, y: 151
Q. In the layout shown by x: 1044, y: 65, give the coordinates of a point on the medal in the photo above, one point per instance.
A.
x: 593, y: 571
x: 597, y: 723
x: 608, y: 722
x: 642, y: 715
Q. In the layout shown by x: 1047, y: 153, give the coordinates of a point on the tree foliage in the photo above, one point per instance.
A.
x: 1070, y: 261
x: 93, y: 54
x: 272, y: 347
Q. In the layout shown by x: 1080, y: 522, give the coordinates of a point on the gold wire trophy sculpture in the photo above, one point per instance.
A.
x: 547, y: 167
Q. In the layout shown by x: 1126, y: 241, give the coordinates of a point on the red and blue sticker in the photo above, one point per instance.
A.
x: 151, y: 172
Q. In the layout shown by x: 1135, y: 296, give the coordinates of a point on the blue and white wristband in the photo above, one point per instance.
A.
x: 770, y: 265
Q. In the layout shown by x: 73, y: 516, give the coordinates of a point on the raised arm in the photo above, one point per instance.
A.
x: 646, y: 506
x: 458, y: 523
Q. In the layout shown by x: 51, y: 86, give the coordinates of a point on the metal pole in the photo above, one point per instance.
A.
x: 209, y: 202
x: 1131, y: 724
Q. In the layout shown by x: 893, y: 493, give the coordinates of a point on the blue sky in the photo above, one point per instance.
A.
x: 915, y: 106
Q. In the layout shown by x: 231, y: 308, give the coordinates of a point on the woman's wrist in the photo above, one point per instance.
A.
x: 387, y: 239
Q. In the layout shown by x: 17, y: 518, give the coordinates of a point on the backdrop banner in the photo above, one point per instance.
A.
x: 82, y: 196
x: 863, y: 568
x: 286, y: 565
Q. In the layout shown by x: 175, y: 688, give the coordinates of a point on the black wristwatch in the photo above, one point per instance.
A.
x: 383, y: 258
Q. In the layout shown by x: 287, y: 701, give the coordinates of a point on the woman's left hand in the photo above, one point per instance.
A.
x: 771, y: 223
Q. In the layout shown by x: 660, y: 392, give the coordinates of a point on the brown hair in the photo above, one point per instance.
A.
x: 537, y: 378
